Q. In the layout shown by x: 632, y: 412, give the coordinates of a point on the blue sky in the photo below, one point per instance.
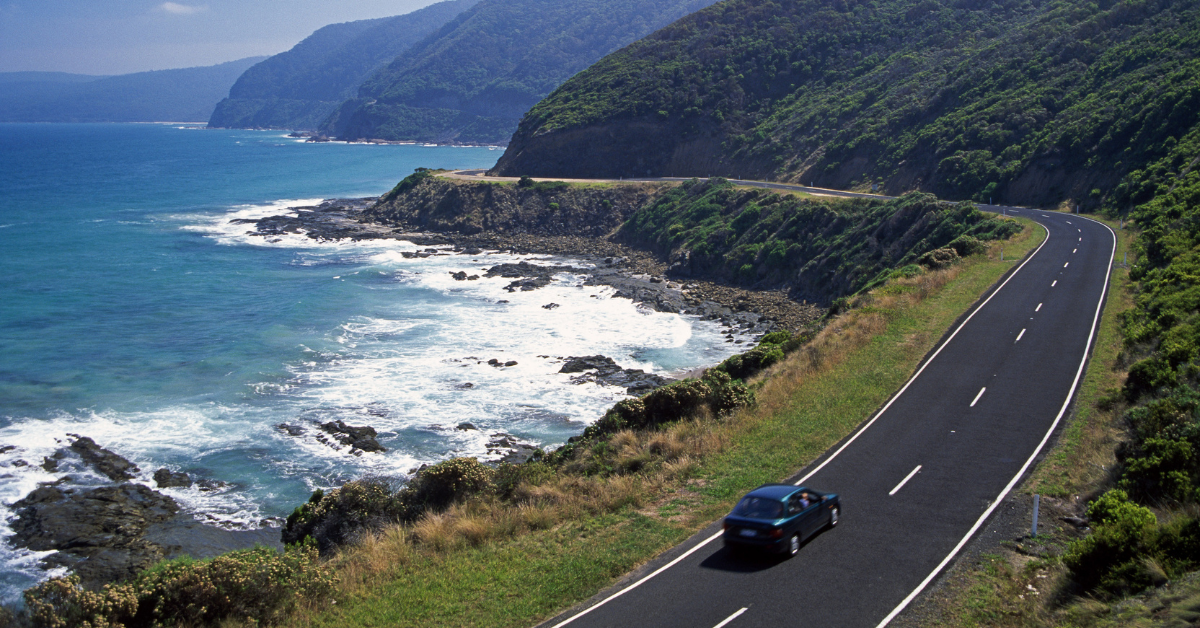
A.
x: 122, y: 36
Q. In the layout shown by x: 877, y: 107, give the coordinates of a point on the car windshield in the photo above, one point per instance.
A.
x: 759, y: 508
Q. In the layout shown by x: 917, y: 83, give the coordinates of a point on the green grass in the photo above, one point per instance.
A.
x: 520, y: 581
x: 511, y: 583
x: 1078, y: 462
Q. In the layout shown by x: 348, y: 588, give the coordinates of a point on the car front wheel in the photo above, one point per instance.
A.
x: 833, y: 516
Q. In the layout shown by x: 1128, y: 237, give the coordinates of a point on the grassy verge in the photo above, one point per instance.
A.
x: 1021, y: 582
x: 482, y: 565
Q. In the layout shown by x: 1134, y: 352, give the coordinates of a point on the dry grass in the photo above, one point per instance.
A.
x: 653, y: 472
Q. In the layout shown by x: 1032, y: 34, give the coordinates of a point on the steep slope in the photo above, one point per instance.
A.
x: 185, y: 95
x: 1021, y: 101
x: 474, y: 80
x: 299, y: 88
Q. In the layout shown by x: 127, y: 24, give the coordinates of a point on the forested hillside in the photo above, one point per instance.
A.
x: 185, y: 95
x: 299, y: 88
x: 474, y: 80
x: 1017, y: 100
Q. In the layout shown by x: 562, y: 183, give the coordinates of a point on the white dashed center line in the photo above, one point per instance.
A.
x: 1038, y: 308
x: 981, y: 391
x: 731, y: 618
x: 1019, y: 336
x: 1068, y: 222
x: 1067, y: 264
x: 1055, y: 283
x: 905, y: 480
x: 1075, y: 251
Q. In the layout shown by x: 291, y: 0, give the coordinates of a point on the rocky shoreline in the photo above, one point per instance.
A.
x: 105, y: 527
x: 634, y: 274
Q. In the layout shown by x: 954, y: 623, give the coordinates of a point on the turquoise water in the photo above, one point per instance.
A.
x: 132, y: 311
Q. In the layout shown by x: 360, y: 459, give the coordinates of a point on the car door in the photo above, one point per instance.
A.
x: 810, y: 518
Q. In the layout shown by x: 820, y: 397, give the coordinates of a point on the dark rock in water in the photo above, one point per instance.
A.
x: 472, y: 251
x: 514, y: 452
x: 472, y: 277
x: 529, y: 276
x: 495, y: 362
x: 465, y: 386
x: 290, y: 430
x: 106, y: 462
x: 603, y: 370
x: 587, y: 363
x: 208, y: 486
x: 165, y: 478
x: 510, y: 363
x: 465, y: 427
x: 360, y: 438
x: 459, y: 276
x: 20, y: 463
x: 49, y: 464
x: 7, y: 448
x: 550, y: 306
x: 99, y: 533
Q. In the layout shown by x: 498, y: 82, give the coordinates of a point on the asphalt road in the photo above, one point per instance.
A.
x: 920, y: 477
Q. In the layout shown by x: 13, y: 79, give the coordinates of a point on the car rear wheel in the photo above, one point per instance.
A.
x: 833, y: 517
x: 794, y: 545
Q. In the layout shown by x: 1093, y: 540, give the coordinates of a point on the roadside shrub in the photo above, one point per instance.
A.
x: 510, y: 476
x: 938, y: 259
x: 334, y: 518
x: 525, y: 182
x: 1109, y: 558
x: 444, y: 483
x: 257, y: 585
x: 966, y: 245
x: 1164, y: 468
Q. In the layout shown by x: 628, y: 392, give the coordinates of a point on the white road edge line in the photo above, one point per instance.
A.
x: 1019, y: 336
x: 981, y: 391
x: 1038, y: 308
x: 731, y: 618
x: 1012, y: 483
x: 905, y: 480
x: 923, y: 366
x: 835, y: 454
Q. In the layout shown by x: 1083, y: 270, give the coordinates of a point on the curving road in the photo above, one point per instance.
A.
x: 921, y: 476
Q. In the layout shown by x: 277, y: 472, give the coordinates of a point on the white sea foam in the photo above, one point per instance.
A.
x: 403, y: 368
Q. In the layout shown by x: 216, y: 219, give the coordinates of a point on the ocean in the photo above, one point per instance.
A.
x: 133, y: 311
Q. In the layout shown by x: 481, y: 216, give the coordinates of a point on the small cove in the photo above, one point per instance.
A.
x: 136, y: 313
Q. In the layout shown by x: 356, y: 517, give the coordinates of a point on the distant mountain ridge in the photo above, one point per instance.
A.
x: 183, y: 95
x: 299, y: 88
x: 1022, y: 102
x: 473, y: 80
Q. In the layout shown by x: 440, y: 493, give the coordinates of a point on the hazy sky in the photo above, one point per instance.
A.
x: 122, y: 36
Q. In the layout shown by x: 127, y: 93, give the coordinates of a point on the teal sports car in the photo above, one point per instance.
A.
x: 779, y: 518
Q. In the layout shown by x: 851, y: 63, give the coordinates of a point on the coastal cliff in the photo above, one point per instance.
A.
x: 812, y: 248
x: 1032, y: 103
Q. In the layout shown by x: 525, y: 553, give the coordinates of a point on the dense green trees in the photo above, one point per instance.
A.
x: 818, y: 249
x: 473, y: 80
x: 299, y: 88
x: 1021, y: 100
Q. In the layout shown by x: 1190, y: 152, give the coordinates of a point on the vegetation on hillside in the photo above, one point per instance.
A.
x: 1016, y: 100
x: 818, y: 248
x: 474, y: 79
x: 299, y: 88
x: 1159, y: 464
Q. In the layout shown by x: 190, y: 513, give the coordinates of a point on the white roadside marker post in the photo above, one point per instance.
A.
x: 1036, y: 500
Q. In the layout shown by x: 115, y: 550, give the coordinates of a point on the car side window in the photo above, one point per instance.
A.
x: 794, y: 505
